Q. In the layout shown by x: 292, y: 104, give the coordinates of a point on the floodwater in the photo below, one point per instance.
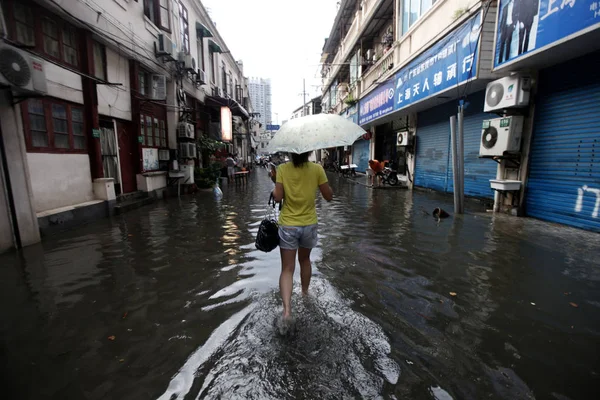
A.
x: 172, y: 301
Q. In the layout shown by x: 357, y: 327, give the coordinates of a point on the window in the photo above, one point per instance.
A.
x: 211, y: 60
x: 144, y: 83
x: 223, y: 77
x: 99, y: 61
x: 230, y: 86
x: 354, y: 68
x: 153, y: 131
x: 157, y: 11
x: 70, y: 45
x: 35, y: 27
x: 50, y: 33
x: 200, y: 44
x: 24, y: 24
x: 53, y: 126
x: 333, y: 93
x: 412, y: 10
x: 184, y: 26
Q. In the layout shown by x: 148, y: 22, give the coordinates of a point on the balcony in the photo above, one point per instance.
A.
x: 381, y: 70
x: 373, y: 15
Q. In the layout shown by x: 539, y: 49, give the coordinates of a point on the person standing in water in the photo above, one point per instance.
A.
x: 296, y: 184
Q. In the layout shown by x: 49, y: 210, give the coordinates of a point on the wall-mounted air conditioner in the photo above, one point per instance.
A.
x: 200, y: 77
x: 187, y: 61
x: 501, y: 135
x: 20, y: 71
x: 402, y: 138
x: 187, y: 150
x: 220, y: 92
x: 159, y: 87
x: 369, y: 54
x: 164, y: 46
x: 508, y: 92
x: 185, y: 130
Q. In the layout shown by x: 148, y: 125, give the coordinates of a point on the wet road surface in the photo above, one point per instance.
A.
x: 172, y: 301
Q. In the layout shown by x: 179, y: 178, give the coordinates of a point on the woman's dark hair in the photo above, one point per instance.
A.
x: 300, y: 159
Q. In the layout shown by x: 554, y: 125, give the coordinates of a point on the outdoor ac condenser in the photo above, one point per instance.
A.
x: 508, y: 92
x: 501, y: 135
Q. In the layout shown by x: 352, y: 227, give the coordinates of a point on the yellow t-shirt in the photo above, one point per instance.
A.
x: 299, y: 186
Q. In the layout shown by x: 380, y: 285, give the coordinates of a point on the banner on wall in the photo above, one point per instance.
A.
x: 528, y: 25
x: 448, y: 63
x: 376, y: 104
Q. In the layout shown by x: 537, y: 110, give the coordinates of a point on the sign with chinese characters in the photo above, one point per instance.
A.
x: 377, y: 103
x: 96, y: 133
x: 450, y: 62
x: 351, y: 113
x: 528, y: 25
x: 273, y: 127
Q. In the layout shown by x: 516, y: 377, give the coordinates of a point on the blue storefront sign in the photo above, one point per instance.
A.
x: 528, y: 25
x: 377, y: 103
x: 273, y: 127
x: 450, y: 62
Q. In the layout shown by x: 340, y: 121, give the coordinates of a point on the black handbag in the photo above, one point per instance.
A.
x: 267, y: 238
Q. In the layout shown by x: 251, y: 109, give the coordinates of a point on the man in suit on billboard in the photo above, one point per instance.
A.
x: 508, y: 21
x: 527, y: 10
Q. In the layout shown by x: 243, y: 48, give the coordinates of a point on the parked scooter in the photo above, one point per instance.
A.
x: 390, y: 175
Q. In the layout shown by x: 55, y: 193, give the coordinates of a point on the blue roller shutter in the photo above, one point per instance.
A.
x: 433, y: 137
x: 564, y: 172
x: 434, y: 158
x: 360, y: 154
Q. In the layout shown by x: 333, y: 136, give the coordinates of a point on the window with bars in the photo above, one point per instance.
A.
x: 52, y: 125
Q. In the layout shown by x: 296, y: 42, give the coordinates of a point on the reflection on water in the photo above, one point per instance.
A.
x: 401, y: 306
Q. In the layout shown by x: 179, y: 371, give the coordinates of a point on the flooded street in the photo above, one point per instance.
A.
x: 172, y: 301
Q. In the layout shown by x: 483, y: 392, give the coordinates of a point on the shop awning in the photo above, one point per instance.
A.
x: 203, y: 31
x: 236, y: 108
x: 214, y: 47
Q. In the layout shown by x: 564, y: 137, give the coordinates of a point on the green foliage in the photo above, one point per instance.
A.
x: 208, y: 145
x: 207, y: 177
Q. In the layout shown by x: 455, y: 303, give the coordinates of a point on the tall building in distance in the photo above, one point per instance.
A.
x: 260, y: 95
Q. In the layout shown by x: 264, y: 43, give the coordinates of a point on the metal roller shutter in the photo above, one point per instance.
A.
x: 434, y: 158
x: 431, y: 169
x: 564, y: 174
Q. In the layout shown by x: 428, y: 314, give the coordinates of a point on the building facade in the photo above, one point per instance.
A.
x: 260, y: 95
x: 408, y: 69
x: 112, y: 98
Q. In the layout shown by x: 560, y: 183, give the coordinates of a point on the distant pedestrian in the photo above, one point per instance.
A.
x: 374, y: 172
x: 296, y: 184
x: 230, y: 167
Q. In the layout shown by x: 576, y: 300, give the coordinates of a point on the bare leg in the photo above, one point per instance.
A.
x: 286, y: 279
x: 305, y: 268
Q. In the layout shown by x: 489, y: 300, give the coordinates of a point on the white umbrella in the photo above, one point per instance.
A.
x: 314, y: 132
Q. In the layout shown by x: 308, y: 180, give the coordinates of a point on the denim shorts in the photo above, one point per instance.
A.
x: 293, y: 237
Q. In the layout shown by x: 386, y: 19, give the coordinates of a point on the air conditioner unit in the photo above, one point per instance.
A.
x: 501, y: 135
x: 220, y: 92
x: 369, y: 54
x: 508, y: 92
x: 187, y: 150
x: 402, y: 138
x: 164, y: 46
x: 185, y: 130
x: 200, y: 77
x: 159, y: 87
x: 21, y: 72
x: 188, y: 62
x: 163, y: 155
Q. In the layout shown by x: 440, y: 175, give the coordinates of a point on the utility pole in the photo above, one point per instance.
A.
x: 304, y: 97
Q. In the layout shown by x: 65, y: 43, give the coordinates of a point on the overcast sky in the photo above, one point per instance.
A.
x: 277, y: 39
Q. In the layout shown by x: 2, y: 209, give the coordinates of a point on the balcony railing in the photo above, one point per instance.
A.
x: 378, y: 71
